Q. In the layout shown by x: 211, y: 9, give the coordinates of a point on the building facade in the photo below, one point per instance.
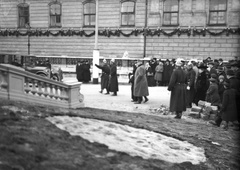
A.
x: 142, y: 28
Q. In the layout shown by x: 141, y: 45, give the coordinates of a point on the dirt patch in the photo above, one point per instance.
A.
x: 29, y: 142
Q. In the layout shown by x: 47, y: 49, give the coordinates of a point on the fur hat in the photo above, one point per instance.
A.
x: 221, y: 77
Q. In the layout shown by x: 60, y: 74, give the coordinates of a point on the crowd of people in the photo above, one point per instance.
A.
x: 214, y: 81
x: 83, y: 71
x: 189, y: 82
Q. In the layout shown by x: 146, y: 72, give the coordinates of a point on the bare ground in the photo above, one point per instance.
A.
x: 29, y: 142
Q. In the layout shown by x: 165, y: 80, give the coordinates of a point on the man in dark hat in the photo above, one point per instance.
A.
x: 220, y: 62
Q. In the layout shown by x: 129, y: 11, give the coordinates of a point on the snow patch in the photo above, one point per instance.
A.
x: 133, y: 141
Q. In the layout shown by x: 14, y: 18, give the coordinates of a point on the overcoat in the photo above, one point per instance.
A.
x: 177, y: 86
x: 167, y: 71
x: 105, y: 75
x: 86, y: 72
x: 191, y: 83
x: 79, y: 72
x: 229, y: 106
x: 212, y: 95
x: 201, y: 87
x: 150, y: 76
x: 113, y: 82
x: 158, y: 73
x: 140, y: 82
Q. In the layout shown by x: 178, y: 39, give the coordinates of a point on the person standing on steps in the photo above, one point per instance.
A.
x: 140, y: 83
x: 177, y: 86
x: 105, y: 76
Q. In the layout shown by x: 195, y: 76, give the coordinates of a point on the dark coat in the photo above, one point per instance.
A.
x: 86, y: 72
x: 167, y: 71
x: 221, y: 89
x: 229, y: 106
x: 105, y: 75
x: 113, y: 82
x: 140, y: 82
x: 79, y: 72
x: 159, y: 73
x: 201, y: 87
x: 191, y: 75
x: 150, y: 78
x: 213, y: 71
x: 212, y: 95
x: 177, y: 86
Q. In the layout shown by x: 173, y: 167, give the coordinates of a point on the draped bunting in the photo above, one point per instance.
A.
x: 118, y: 32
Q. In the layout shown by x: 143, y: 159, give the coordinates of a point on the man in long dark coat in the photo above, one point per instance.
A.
x: 167, y: 71
x: 201, y: 84
x: 86, y: 71
x: 191, y: 76
x: 79, y: 71
x: 140, y: 83
x: 113, y: 82
x: 177, y: 86
x: 105, y: 76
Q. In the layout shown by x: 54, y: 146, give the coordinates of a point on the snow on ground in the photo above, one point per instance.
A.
x: 133, y: 141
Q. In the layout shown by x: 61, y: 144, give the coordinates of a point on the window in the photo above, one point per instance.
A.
x: 89, y: 13
x: 23, y: 15
x: 127, y: 13
x: 55, y: 11
x: 170, y: 12
x: 217, y: 12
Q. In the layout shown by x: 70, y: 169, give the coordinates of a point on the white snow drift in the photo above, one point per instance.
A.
x: 133, y: 141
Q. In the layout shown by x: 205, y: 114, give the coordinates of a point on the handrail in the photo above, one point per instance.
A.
x: 18, y: 84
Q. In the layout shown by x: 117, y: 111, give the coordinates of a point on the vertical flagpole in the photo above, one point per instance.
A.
x: 96, y: 50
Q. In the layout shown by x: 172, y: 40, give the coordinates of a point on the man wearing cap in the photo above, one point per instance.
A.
x: 113, y: 81
x: 177, y: 86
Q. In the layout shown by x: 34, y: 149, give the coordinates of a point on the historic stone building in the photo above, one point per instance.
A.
x: 144, y: 28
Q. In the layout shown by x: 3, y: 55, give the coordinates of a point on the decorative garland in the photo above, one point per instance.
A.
x: 118, y: 32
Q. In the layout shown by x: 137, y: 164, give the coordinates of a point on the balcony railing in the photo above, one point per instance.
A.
x: 18, y: 84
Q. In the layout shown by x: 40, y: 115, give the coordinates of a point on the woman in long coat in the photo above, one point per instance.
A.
x: 140, y: 83
x: 113, y: 82
x: 177, y: 86
x: 159, y: 73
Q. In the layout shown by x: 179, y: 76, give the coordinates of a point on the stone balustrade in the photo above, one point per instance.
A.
x: 18, y: 84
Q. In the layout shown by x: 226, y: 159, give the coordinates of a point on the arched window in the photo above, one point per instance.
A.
x: 170, y: 12
x: 128, y: 13
x: 89, y: 13
x: 23, y: 15
x: 55, y: 12
x: 217, y: 12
